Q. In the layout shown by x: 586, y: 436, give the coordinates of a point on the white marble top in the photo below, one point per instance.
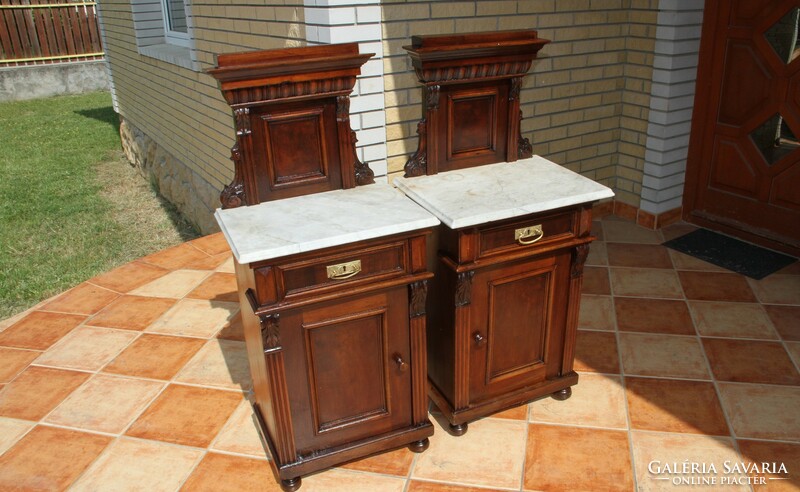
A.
x: 482, y: 194
x: 306, y: 223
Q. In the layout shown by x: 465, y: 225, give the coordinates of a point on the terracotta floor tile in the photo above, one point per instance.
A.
x: 596, y: 351
x: 786, y: 320
x: 155, y: 356
x: 792, y: 269
x: 597, y: 401
x: 472, y: 464
x: 520, y: 412
x: 338, y: 480
x: 174, y: 285
x: 233, y: 329
x: 598, y: 254
x: 132, y: 312
x: 670, y: 405
x: 420, y: 486
x: 218, y: 287
x: 105, y: 404
x: 597, y: 230
x: 638, y: 255
x: 39, y: 330
x: 49, y: 459
x: 622, y: 231
x: 746, y: 361
x: 218, y: 472
x: 212, y: 244
x: 780, y: 453
x: 396, y: 462
x: 662, y: 355
x: 645, y: 282
x: 240, y: 434
x: 11, y: 431
x: 83, y: 299
x: 220, y: 363
x: 596, y: 313
x: 677, y: 229
x: 129, y: 276
x: 794, y: 351
x: 141, y: 465
x: 87, y: 347
x: 595, y: 281
x: 14, y: 361
x: 195, y: 318
x: 777, y: 289
x: 762, y: 411
x: 209, y: 262
x: 661, y: 316
x: 688, y: 262
x: 38, y: 390
x: 656, y: 450
x: 175, y: 257
x: 227, y: 266
x: 732, y: 319
x: 711, y: 286
x: 186, y: 415
x: 562, y: 458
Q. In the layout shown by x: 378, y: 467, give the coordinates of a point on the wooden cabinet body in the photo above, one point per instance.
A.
x: 502, y: 316
x: 338, y: 365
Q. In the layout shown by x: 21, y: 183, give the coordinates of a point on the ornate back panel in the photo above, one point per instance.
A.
x: 471, y: 112
x: 292, y: 115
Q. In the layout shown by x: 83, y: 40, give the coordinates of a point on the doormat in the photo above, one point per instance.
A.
x: 731, y: 254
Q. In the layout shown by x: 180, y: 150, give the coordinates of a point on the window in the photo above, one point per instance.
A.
x: 176, y: 29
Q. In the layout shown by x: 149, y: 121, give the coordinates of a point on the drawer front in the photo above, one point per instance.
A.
x: 527, y: 232
x: 345, y: 268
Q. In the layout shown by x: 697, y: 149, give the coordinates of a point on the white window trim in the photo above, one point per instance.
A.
x: 174, y: 37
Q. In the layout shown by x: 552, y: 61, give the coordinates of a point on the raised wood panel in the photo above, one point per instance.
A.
x: 741, y: 96
x: 745, y: 11
x: 731, y: 170
x: 784, y: 189
x: 347, y: 390
x: 304, y: 161
x: 472, y: 123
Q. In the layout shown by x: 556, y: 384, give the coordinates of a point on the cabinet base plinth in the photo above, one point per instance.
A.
x: 460, y: 417
x: 458, y: 429
x: 562, y: 395
x: 419, y: 446
x: 291, y: 484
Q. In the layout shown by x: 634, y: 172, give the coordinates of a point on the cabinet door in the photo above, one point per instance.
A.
x: 349, y: 369
x: 517, y: 322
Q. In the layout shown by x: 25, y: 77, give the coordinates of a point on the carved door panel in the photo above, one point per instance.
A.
x: 743, y: 171
x: 353, y: 356
x: 517, y: 324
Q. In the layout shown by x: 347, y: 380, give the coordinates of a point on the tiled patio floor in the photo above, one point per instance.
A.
x: 137, y: 380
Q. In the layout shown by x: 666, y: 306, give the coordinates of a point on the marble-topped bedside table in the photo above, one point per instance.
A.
x: 503, y: 313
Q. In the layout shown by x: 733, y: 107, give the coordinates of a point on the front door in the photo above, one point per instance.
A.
x: 743, y: 175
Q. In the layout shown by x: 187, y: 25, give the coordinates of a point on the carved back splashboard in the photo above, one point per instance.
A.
x: 292, y: 115
x: 471, y: 112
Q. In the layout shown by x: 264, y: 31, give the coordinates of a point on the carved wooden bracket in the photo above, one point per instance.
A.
x: 270, y: 332
x: 524, y: 147
x: 232, y: 195
x: 242, y: 119
x: 418, y: 294
x: 364, y: 175
x: 418, y: 164
x: 579, y: 255
x: 464, y: 288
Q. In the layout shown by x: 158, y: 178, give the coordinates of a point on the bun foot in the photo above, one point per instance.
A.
x: 291, y: 484
x: 458, y: 429
x: 562, y: 395
x: 419, y: 446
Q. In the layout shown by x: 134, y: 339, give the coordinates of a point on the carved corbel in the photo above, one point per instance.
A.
x: 418, y: 294
x: 524, y: 147
x: 432, y: 97
x: 233, y: 195
x: 516, y: 86
x: 343, y: 108
x: 270, y: 332
x: 579, y: 255
x: 242, y: 117
x: 464, y: 288
x: 364, y: 174
x: 418, y: 164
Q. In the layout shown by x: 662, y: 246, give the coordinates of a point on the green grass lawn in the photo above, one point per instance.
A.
x: 71, y: 206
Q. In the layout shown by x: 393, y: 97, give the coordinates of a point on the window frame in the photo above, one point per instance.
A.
x: 174, y: 37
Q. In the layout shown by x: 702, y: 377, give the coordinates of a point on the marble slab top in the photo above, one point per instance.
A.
x: 306, y: 223
x: 482, y: 194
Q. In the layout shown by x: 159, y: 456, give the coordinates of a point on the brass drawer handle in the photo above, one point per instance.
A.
x: 529, y: 235
x: 342, y: 271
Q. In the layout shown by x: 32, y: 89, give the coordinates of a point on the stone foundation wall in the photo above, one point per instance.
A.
x: 195, y: 197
